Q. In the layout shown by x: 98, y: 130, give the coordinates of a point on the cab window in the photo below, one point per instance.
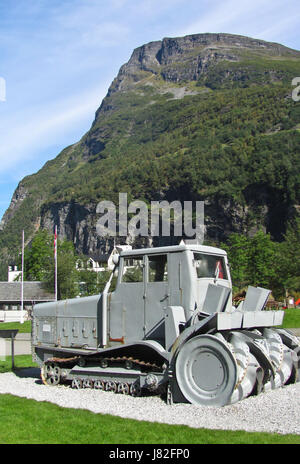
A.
x: 157, y: 268
x: 210, y: 266
x: 133, y: 270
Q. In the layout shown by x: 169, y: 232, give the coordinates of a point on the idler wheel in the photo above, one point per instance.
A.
x: 51, y: 373
x: 206, y: 371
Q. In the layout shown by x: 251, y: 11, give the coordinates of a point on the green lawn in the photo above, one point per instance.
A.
x: 21, y: 361
x: 291, y: 318
x: 22, y: 328
x: 26, y: 421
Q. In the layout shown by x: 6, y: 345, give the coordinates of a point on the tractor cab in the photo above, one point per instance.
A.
x: 151, y: 280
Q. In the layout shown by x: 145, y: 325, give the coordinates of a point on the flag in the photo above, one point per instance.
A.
x: 55, y: 240
x: 22, y: 281
x: 219, y: 271
x: 55, y: 263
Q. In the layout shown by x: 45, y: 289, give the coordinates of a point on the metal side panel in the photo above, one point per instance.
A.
x: 261, y: 319
x: 256, y: 298
x: 175, y: 316
x: 228, y: 321
x: 77, y: 331
x: 216, y: 298
x: 114, y: 373
x: 278, y: 317
x: 45, y: 330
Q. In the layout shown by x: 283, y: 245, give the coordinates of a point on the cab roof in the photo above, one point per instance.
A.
x: 175, y: 248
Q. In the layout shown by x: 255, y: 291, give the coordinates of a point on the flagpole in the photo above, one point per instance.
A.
x: 55, y: 263
x: 22, y: 281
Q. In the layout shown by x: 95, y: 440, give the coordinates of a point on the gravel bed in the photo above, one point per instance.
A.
x: 276, y: 411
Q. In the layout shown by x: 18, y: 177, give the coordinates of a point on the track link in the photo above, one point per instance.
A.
x: 55, y: 371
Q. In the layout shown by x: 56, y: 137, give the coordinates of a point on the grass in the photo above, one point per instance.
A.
x: 22, y: 328
x: 25, y: 421
x: 21, y: 361
x: 291, y: 318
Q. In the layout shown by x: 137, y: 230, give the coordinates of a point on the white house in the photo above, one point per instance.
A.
x: 13, y: 273
x: 102, y: 262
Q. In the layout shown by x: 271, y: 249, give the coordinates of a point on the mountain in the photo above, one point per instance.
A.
x: 205, y: 117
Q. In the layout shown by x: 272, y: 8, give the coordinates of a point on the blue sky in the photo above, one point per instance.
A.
x: 58, y: 58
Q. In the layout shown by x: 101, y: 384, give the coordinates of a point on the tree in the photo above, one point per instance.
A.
x: 261, y: 261
x: 237, y: 248
x: 39, y: 264
x: 92, y: 283
x: 289, y: 257
x: 253, y: 260
x: 37, y: 256
x: 67, y: 275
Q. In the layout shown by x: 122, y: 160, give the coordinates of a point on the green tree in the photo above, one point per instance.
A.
x: 3, y: 269
x: 39, y: 264
x: 237, y: 248
x: 289, y: 258
x: 67, y: 275
x: 254, y: 261
x: 38, y: 256
x: 92, y: 283
x: 262, y: 262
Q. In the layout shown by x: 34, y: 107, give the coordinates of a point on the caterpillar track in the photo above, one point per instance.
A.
x: 61, y: 370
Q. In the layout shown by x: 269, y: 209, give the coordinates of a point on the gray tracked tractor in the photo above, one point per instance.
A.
x: 168, y: 327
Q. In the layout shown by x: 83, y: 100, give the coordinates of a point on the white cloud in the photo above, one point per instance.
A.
x: 279, y: 30
x: 105, y: 35
x: 19, y: 139
x: 263, y: 19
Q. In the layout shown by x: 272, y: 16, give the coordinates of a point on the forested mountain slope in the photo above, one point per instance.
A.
x: 204, y: 117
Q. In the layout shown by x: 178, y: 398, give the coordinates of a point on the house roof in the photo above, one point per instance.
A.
x: 100, y: 258
x: 32, y: 291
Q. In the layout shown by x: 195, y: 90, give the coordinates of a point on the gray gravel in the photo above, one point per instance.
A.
x: 276, y: 411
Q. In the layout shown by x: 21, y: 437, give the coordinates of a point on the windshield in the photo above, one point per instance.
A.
x: 209, y: 266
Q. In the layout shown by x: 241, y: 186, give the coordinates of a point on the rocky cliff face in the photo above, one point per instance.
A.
x: 173, y: 126
x: 18, y: 197
x: 187, y: 58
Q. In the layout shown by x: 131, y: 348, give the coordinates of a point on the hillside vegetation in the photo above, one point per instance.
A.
x: 227, y: 134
